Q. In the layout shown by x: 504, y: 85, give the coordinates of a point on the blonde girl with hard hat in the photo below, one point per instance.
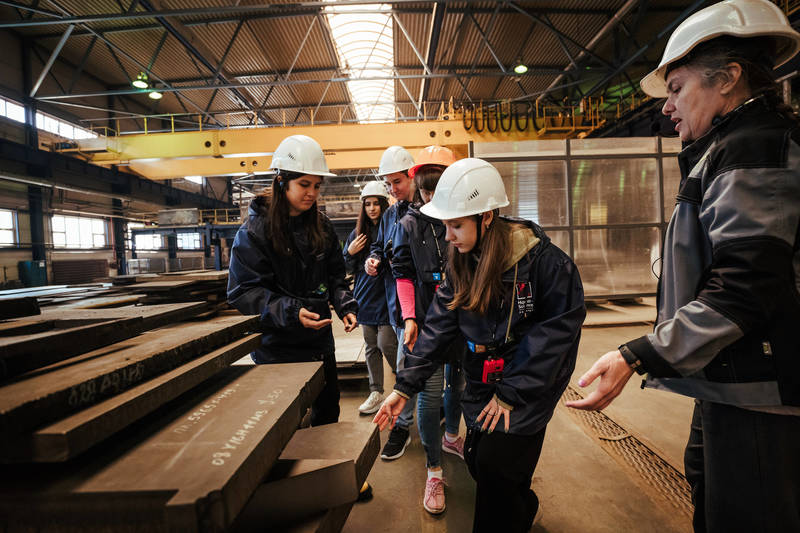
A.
x: 370, y: 293
x: 517, y: 300
x: 418, y: 265
x: 729, y: 306
x: 286, y: 266
x: 393, y: 169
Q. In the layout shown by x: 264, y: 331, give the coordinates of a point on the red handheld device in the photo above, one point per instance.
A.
x: 492, y: 370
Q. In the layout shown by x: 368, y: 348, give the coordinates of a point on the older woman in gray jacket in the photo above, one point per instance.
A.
x: 729, y: 307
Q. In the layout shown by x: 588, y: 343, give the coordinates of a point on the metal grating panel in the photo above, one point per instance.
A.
x: 657, y: 474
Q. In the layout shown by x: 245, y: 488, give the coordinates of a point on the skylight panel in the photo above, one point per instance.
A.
x: 364, y: 44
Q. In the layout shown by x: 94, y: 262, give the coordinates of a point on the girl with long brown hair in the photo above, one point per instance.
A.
x: 518, y: 301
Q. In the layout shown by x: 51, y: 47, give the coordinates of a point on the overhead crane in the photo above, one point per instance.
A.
x: 244, y: 151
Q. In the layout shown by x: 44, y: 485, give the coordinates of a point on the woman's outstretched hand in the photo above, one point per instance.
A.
x: 390, y: 409
x: 613, y: 372
x: 491, y: 415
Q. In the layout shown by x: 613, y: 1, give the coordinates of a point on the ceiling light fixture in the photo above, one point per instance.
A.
x: 521, y: 68
x: 155, y: 95
x: 141, y: 81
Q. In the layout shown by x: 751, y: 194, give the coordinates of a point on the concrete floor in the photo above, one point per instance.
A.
x: 582, y: 487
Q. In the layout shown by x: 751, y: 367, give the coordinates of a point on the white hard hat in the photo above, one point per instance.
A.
x: 737, y: 18
x: 395, y: 159
x: 467, y: 187
x: 300, y: 154
x: 374, y: 188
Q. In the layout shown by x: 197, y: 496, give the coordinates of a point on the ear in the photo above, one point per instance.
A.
x: 488, y: 218
x: 733, y: 72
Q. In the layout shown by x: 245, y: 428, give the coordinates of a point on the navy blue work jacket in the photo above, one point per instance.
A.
x: 369, y: 291
x: 383, y: 249
x: 546, y: 321
x: 264, y: 282
x: 420, y: 254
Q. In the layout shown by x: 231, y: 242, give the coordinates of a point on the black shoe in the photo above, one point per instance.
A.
x: 365, y: 494
x: 399, y: 438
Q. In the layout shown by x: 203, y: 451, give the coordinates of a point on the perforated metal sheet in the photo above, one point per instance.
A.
x: 658, y: 475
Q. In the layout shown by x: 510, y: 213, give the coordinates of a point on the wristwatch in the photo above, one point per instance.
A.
x: 634, y: 362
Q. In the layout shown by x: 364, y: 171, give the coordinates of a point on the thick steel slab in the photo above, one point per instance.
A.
x: 22, y: 353
x: 17, y: 307
x: 75, y: 434
x: 321, y: 468
x: 56, y: 391
x: 190, y: 467
x: 153, y: 315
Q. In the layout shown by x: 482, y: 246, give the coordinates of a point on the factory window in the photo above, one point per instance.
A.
x: 149, y: 242
x: 188, y: 241
x: 12, y: 110
x: 8, y: 227
x: 78, y: 232
x: 64, y: 129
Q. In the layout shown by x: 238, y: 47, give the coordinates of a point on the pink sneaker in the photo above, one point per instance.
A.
x: 434, y: 496
x: 456, y: 447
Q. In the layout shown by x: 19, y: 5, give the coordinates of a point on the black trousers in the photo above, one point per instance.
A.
x: 744, y: 470
x: 325, y: 409
x: 502, y: 466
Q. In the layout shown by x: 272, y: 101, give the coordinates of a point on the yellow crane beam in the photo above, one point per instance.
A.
x: 246, y: 150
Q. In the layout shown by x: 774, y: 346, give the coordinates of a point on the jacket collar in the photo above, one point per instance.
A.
x: 750, y: 110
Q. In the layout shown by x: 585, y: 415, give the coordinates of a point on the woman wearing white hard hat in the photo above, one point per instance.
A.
x: 287, y: 267
x: 518, y: 301
x: 728, y: 307
x: 370, y: 293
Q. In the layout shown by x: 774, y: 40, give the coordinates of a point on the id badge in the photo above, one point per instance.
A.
x: 437, y: 276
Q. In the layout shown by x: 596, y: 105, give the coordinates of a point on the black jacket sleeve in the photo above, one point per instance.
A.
x: 252, y: 284
x: 350, y: 261
x: 549, y: 347
x: 402, y: 253
x: 430, y: 351
x: 340, y: 294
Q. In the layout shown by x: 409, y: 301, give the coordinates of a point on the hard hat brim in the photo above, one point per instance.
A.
x: 434, y: 212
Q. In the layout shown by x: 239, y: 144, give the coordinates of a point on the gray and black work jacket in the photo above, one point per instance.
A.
x: 728, y: 300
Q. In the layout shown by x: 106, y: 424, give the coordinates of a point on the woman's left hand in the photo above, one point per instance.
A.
x: 350, y: 322
x: 492, y: 413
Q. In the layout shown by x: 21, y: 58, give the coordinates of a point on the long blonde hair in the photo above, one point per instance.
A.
x: 474, y: 289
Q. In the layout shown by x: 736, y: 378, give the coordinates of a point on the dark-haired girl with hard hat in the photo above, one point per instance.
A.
x: 286, y: 266
x: 370, y: 293
x: 518, y: 301
x: 729, y: 300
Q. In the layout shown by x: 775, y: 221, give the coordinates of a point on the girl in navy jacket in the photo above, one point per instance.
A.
x: 286, y: 266
x: 370, y: 293
x: 518, y: 301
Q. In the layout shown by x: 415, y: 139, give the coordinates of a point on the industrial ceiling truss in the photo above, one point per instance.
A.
x: 285, y: 64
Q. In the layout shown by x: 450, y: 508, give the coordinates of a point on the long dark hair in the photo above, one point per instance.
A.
x: 364, y: 223
x: 474, y: 288
x: 278, y: 216
x: 756, y: 56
